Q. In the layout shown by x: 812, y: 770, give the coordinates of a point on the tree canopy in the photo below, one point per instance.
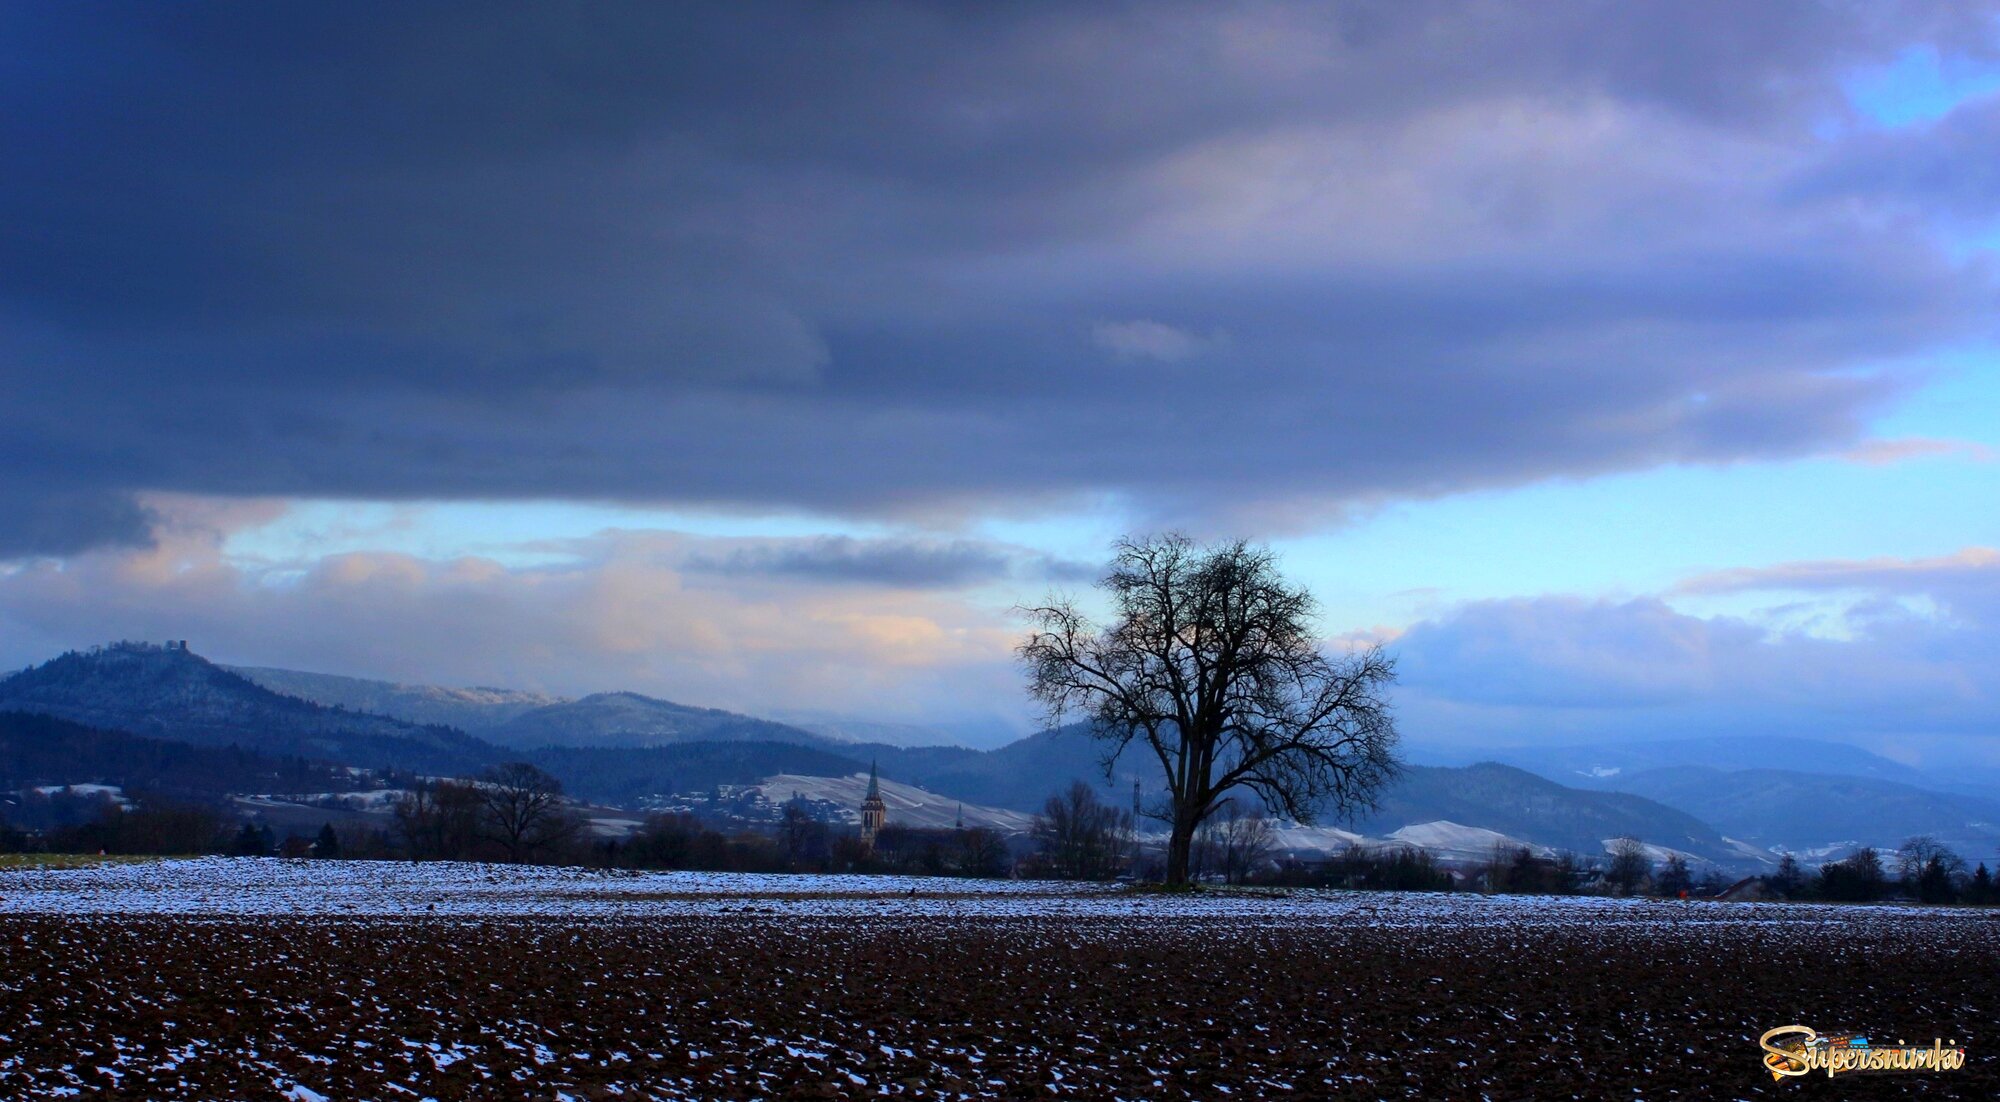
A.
x: 1212, y: 664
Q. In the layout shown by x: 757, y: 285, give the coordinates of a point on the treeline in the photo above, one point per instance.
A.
x: 160, y: 829
x: 803, y: 844
x: 1922, y: 869
x: 515, y: 813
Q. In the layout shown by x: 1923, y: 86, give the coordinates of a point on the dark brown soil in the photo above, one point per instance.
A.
x: 158, y: 1008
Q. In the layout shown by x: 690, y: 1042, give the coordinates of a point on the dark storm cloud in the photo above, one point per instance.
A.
x: 915, y: 258
x: 41, y: 521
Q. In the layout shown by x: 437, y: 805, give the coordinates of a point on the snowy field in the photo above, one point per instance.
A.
x: 253, y: 979
x: 251, y: 887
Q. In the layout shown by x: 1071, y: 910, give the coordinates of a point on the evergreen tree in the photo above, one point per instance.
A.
x: 1789, y: 880
x: 1935, y: 882
x: 251, y: 842
x: 1675, y: 877
x: 327, y: 845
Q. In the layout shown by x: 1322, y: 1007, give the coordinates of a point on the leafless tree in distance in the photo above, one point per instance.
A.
x: 524, y: 809
x: 1213, y: 665
x: 439, y: 820
x: 1630, y: 865
x: 1081, y: 837
x: 1235, y: 843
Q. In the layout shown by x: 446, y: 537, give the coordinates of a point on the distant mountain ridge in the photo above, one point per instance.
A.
x: 1806, y: 812
x: 1524, y: 805
x: 626, y: 748
x: 471, y: 709
x: 1604, y: 765
x: 636, y: 721
x: 524, y: 720
x: 170, y: 692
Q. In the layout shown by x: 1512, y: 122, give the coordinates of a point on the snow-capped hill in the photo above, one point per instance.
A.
x: 469, y: 709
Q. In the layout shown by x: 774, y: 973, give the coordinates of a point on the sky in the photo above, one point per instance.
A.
x: 1627, y: 371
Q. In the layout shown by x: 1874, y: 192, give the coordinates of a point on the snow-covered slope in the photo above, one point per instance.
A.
x: 908, y: 805
x: 1457, y: 843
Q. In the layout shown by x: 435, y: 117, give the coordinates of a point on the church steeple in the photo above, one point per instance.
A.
x: 874, y: 813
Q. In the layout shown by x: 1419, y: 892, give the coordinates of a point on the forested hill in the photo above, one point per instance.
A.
x: 1520, y: 804
x: 170, y: 692
x: 40, y: 750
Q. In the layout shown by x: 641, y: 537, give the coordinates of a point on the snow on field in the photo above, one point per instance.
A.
x: 273, y: 886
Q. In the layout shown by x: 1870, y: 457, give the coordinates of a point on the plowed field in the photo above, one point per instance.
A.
x: 830, y: 988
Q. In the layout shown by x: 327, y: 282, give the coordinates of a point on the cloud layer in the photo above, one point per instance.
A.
x: 1900, y: 654
x: 640, y: 611
x: 1900, y: 651
x: 905, y: 259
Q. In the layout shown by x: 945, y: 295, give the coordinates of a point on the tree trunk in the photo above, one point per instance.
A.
x: 1179, y: 843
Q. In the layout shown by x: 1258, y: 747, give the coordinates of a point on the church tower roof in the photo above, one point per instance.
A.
x: 874, y: 783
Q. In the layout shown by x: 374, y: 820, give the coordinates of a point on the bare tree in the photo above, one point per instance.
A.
x: 982, y: 852
x: 806, y: 839
x: 1929, y: 869
x: 1856, y: 878
x: 1080, y: 836
x: 1235, y: 844
x: 1630, y: 865
x: 439, y: 820
x: 1212, y: 664
x: 524, y: 810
